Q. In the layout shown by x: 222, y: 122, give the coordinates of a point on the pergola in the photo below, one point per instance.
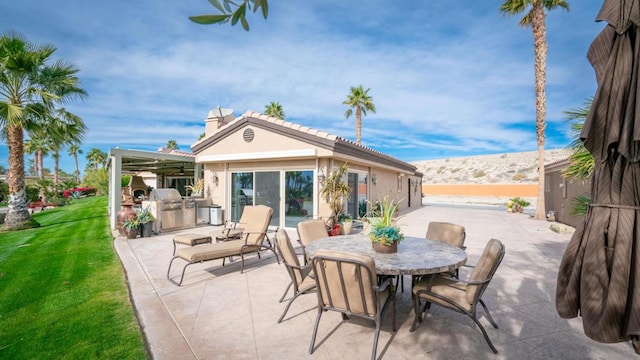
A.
x: 163, y: 163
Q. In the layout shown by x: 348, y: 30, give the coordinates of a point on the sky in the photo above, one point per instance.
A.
x: 448, y: 78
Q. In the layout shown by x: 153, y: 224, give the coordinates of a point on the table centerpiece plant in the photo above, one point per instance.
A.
x: 385, y: 233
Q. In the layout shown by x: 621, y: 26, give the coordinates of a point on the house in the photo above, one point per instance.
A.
x: 257, y: 159
x: 560, y: 193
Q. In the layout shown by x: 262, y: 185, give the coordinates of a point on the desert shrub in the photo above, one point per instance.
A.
x: 479, y: 173
x: 518, y: 177
x: 440, y: 170
x: 455, y: 170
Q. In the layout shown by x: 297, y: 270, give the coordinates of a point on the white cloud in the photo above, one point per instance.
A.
x: 458, y: 77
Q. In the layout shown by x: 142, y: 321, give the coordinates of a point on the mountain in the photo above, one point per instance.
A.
x: 507, y: 168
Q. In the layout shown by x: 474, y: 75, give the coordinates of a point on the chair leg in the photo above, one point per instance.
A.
x: 486, y: 311
x: 286, y: 291
x: 288, y: 305
x: 375, y: 340
x: 315, y: 330
x: 170, y: 263
x: 242, y: 257
x: 183, y: 271
x: 418, y: 313
x: 484, y: 333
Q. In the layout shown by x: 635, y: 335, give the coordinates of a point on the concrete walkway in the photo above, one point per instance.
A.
x: 219, y: 313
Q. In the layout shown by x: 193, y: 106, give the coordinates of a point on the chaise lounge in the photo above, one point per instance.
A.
x: 253, y: 236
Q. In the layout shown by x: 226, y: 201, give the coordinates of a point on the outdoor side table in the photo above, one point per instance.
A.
x: 190, y: 239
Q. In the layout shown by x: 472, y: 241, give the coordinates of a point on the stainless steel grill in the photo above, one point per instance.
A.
x: 166, y: 206
x: 169, y: 199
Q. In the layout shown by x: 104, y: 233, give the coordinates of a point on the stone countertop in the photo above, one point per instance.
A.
x: 415, y: 256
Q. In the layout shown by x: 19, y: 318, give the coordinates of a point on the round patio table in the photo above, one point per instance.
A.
x: 415, y: 256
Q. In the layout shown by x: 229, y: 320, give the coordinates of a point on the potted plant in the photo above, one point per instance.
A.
x: 131, y: 225
x: 145, y: 219
x: 335, y: 190
x: 385, y: 234
x: 346, y: 222
x: 197, y: 188
x: 517, y: 204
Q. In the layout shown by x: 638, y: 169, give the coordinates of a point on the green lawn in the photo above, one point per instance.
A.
x: 62, y: 289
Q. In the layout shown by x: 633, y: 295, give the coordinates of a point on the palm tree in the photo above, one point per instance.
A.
x: 27, y: 79
x: 274, y: 109
x: 73, y: 150
x: 581, y: 160
x: 359, y: 99
x: 96, y: 157
x: 172, y: 144
x: 31, y: 147
x: 63, y: 128
x: 535, y: 18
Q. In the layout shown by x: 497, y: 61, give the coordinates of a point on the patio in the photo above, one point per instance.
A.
x: 219, y: 313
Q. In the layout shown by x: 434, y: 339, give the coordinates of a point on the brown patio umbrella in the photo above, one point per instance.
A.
x: 599, y: 275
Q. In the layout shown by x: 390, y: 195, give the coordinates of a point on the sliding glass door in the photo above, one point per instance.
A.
x: 298, y: 189
x: 255, y: 188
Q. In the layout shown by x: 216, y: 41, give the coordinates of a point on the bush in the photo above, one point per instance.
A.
x: 518, y: 177
x: 97, y: 179
x: 82, y: 191
x: 479, y: 173
x: 33, y: 193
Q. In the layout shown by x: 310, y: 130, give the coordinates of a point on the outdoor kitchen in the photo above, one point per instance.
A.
x: 175, y: 212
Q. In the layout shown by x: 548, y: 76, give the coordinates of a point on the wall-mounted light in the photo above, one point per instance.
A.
x: 214, y: 177
x: 322, y: 174
x: 374, y: 179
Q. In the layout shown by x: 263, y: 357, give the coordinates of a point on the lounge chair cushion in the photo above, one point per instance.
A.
x: 191, y: 239
x: 213, y: 251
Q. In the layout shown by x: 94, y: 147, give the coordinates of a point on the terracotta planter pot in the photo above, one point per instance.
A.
x: 125, y: 212
x: 384, y: 249
x: 335, y: 230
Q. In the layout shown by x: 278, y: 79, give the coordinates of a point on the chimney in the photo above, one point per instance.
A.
x: 216, y: 119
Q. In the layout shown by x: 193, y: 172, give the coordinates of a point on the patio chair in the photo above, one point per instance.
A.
x: 253, y: 236
x: 347, y: 283
x: 461, y: 296
x: 301, y: 277
x: 232, y: 230
x: 311, y: 230
x: 448, y: 233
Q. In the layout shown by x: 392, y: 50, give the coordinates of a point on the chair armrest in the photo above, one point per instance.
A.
x: 383, y: 286
x: 247, y: 233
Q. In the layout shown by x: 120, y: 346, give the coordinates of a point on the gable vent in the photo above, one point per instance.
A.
x: 248, y: 135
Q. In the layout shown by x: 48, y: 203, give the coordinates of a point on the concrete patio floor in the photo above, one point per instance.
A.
x: 219, y: 313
